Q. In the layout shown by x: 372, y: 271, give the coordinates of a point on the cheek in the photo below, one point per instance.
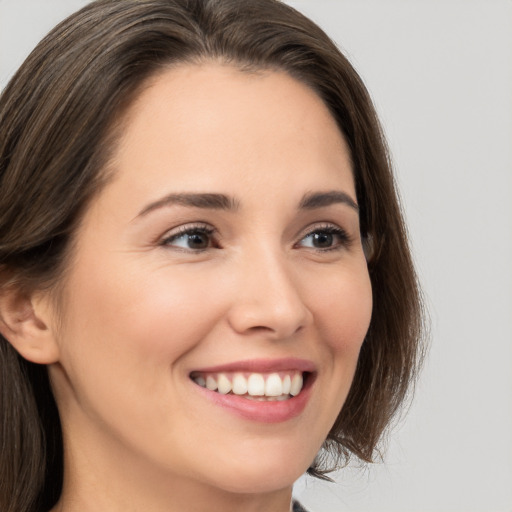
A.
x: 152, y: 316
x: 159, y: 319
x: 124, y: 338
x: 343, y: 309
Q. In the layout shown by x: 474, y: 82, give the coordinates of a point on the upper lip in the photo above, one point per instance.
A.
x: 262, y: 366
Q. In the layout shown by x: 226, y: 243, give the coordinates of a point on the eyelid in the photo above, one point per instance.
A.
x: 185, y: 229
x: 329, y: 227
x: 209, y: 230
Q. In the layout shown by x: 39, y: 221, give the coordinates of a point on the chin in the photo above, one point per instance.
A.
x: 257, y: 476
x: 259, y: 482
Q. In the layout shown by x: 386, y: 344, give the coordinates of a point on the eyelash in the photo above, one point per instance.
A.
x: 329, y: 229
x: 199, y: 229
x: 206, y: 230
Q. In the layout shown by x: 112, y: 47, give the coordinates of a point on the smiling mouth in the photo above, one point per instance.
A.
x: 273, y: 386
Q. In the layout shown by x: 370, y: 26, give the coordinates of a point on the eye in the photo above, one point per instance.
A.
x: 191, y: 238
x: 325, y: 239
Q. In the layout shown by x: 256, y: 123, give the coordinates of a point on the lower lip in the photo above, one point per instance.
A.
x: 262, y: 411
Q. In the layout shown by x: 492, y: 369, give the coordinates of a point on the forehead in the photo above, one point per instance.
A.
x: 211, y: 125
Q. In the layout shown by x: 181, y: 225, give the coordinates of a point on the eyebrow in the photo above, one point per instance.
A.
x: 212, y: 201
x: 205, y: 201
x: 322, y: 199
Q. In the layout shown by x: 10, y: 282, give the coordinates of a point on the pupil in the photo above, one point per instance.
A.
x: 322, y: 239
x: 198, y: 241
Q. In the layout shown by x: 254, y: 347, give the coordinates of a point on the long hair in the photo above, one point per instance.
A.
x: 59, y: 123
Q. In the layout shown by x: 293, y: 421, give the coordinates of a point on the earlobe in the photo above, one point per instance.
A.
x: 25, y: 323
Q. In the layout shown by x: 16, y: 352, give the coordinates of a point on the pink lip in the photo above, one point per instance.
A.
x: 264, y: 411
x: 262, y: 366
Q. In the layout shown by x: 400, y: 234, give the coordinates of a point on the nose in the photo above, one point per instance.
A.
x: 268, y: 298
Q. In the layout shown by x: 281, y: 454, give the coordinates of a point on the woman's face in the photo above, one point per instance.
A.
x: 225, y: 252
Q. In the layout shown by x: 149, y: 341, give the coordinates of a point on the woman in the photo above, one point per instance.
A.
x: 206, y: 287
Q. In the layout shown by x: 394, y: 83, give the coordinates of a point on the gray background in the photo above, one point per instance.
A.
x: 440, y: 73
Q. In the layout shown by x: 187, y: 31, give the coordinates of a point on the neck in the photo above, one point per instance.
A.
x: 76, y: 501
x: 116, y: 484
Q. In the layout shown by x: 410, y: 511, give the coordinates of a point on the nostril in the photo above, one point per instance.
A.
x: 260, y: 328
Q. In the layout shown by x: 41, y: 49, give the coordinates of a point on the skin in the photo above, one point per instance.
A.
x: 141, y: 309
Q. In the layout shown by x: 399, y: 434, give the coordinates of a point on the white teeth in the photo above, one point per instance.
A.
x: 224, y: 384
x: 211, y: 383
x: 200, y: 380
x: 273, y: 386
x: 296, y: 385
x: 239, y: 384
x: 287, y: 383
x: 256, y: 384
x: 268, y: 398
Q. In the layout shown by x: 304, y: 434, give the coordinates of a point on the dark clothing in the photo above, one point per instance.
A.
x: 297, y: 507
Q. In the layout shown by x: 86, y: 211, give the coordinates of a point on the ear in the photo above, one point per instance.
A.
x: 26, y: 323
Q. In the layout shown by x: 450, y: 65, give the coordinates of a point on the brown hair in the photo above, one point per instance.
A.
x: 57, y: 120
